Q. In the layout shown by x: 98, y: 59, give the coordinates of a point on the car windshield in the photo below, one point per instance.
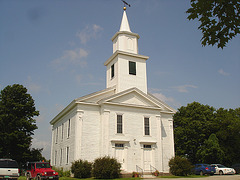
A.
x: 42, y: 165
x: 221, y: 166
x: 8, y: 164
x: 206, y: 164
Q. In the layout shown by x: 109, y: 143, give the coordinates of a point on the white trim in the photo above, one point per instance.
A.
x: 118, y: 52
x: 120, y: 141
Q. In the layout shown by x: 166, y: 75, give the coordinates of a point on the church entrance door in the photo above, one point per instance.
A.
x: 119, y: 155
x: 147, y: 157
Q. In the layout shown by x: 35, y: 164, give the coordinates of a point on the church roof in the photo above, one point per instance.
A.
x: 132, y: 97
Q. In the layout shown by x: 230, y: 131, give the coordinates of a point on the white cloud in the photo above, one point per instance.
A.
x: 59, y: 107
x: 32, y: 87
x: 71, y: 57
x: 184, y: 88
x: 46, y: 145
x: 169, y: 100
x: 78, y: 78
x: 89, y: 32
x: 222, y: 72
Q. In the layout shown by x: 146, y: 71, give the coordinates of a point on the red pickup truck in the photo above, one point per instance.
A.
x: 40, y: 170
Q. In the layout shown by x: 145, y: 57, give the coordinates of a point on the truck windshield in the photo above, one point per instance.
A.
x: 42, y: 165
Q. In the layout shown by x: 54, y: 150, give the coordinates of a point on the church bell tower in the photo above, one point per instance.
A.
x: 126, y: 68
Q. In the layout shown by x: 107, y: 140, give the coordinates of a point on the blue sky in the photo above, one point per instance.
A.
x: 56, y: 48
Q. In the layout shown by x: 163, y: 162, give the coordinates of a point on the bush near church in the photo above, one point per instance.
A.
x: 61, y: 172
x: 106, y: 168
x: 180, y: 166
x: 81, y: 169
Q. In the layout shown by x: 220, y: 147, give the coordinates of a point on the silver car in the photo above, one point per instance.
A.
x: 221, y: 169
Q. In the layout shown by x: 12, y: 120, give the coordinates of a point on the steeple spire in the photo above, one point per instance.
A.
x: 124, y: 24
x: 126, y: 68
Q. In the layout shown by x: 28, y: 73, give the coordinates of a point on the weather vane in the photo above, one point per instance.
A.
x: 125, y: 3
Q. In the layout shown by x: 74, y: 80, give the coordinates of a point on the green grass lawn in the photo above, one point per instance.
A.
x: 189, y: 176
x: 70, y: 178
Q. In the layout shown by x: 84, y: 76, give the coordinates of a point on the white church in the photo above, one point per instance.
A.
x: 122, y: 121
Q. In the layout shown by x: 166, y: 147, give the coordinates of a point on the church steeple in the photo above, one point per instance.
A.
x: 124, y: 24
x: 126, y: 68
x: 124, y: 39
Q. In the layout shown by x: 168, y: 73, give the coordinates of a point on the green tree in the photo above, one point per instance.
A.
x: 210, y: 152
x: 228, y: 132
x: 17, y: 125
x: 192, y: 126
x: 220, y: 20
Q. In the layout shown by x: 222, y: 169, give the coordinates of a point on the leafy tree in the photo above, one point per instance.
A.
x: 211, y: 152
x: 228, y: 132
x: 192, y: 125
x: 36, y: 155
x: 180, y: 166
x: 17, y: 110
x: 220, y: 20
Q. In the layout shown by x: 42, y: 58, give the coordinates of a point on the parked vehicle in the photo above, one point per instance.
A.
x: 221, y: 169
x: 202, y: 169
x: 236, y: 167
x: 9, y: 169
x: 40, y: 170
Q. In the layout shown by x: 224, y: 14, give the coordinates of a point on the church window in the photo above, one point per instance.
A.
x: 62, y: 130
x: 68, y: 132
x: 119, y: 123
x: 146, y: 126
x: 60, y: 156
x: 119, y: 145
x: 67, y: 155
x: 132, y: 67
x: 56, y: 135
x: 112, y: 71
x: 55, y: 157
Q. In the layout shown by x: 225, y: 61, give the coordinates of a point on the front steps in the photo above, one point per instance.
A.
x: 148, y: 176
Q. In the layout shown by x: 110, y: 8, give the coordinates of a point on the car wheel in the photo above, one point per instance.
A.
x: 201, y: 173
x: 220, y: 173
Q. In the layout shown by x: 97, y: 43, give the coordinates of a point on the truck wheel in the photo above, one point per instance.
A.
x: 201, y: 173
x: 28, y: 177
x: 38, y: 177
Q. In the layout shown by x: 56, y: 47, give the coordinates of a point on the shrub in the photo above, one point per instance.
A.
x: 62, y: 173
x: 180, y: 166
x: 106, y: 168
x: 81, y: 169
